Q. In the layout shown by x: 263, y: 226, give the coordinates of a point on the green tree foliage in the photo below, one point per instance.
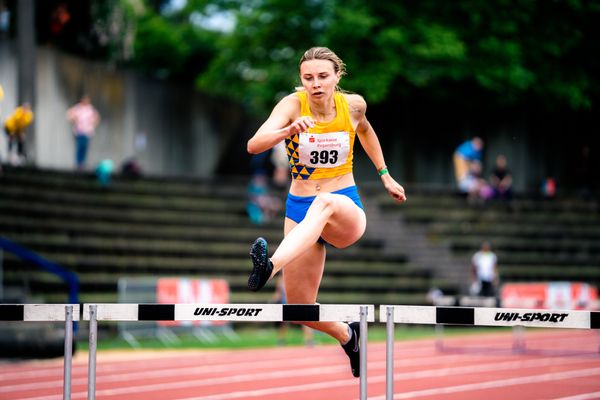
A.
x: 170, y: 46
x: 505, y: 52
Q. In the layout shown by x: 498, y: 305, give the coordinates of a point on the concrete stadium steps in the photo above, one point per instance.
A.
x: 110, y: 214
x: 520, y: 231
x: 564, y: 272
x: 169, y: 227
x: 498, y: 215
x: 23, y: 225
x: 164, y: 266
x: 540, y: 258
x: 90, y: 246
x: 94, y: 282
x: 123, y: 200
x: 342, y: 283
x: 535, y: 240
x: 562, y: 246
x: 447, y: 199
x: 69, y: 181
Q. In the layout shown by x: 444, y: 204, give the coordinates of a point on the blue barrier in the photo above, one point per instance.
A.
x: 27, y: 255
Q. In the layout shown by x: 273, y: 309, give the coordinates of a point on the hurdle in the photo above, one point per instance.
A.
x: 227, y: 312
x: 472, y: 316
x: 48, y: 313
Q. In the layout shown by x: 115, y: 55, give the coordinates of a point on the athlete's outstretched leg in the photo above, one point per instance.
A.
x: 335, y: 216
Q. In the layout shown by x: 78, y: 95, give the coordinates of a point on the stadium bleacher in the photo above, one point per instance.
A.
x: 177, y: 227
x: 184, y: 227
x: 534, y: 239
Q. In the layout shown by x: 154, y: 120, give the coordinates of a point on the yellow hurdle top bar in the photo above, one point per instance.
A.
x: 229, y: 312
x: 492, y: 316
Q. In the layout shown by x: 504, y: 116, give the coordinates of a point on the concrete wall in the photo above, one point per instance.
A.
x: 188, y: 133
x: 185, y: 133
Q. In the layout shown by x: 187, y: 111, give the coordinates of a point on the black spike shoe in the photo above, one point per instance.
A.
x: 352, y: 348
x: 262, y: 266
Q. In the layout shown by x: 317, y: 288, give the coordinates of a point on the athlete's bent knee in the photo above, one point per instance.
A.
x: 325, y: 200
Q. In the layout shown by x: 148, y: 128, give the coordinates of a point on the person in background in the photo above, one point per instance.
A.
x: 281, y: 166
x: 501, y: 179
x: 4, y: 20
x: 1, y: 99
x: 84, y: 118
x: 15, y: 126
x: 261, y: 206
x: 104, y: 171
x: 484, y: 271
x: 465, y: 156
x: 549, y: 188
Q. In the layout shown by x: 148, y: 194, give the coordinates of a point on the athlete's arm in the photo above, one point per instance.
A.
x: 279, y: 126
x: 370, y: 142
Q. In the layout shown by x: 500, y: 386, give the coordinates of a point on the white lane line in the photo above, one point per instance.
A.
x: 325, y: 385
x: 582, y: 396
x: 192, y: 382
x: 524, y: 380
x: 108, y: 375
x: 158, y: 368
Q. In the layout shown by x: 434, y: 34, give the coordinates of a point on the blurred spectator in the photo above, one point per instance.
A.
x: 434, y: 295
x: 467, y: 153
x: 484, y: 272
x: 58, y: 19
x: 1, y: 98
x: 15, y: 126
x: 549, y: 188
x: 85, y: 118
x: 279, y: 159
x: 261, y: 206
x: 4, y: 20
x: 104, y: 172
x: 473, y: 185
x: 501, y: 179
x: 131, y: 168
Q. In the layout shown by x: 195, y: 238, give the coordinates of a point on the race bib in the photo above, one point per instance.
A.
x: 324, y: 150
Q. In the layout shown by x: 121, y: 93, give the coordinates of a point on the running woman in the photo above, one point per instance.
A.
x: 319, y: 123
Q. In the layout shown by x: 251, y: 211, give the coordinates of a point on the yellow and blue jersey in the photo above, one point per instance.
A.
x: 326, y: 160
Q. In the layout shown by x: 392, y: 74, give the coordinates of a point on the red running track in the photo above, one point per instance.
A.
x: 558, y: 364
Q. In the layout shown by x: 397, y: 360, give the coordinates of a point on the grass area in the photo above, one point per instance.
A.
x: 253, y: 337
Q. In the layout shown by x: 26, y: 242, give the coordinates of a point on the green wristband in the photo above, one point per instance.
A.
x: 383, y: 171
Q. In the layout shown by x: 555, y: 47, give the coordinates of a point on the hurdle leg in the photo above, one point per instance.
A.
x: 389, y: 354
x: 439, y: 337
x: 518, y: 339
x: 363, y: 352
x: 68, y: 356
x: 92, y: 352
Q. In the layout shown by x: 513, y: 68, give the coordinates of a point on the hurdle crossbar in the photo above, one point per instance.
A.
x: 493, y: 317
x: 228, y: 312
x: 473, y: 316
x: 36, y: 312
x: 48, y: 313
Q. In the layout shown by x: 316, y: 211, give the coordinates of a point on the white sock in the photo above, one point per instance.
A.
x: 350, y: 333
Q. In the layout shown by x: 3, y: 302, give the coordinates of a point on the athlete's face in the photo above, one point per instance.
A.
x: 319, y: 78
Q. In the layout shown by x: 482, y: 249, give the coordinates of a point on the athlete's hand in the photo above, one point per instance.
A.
x: 301, y: 124
x: 394, y: 188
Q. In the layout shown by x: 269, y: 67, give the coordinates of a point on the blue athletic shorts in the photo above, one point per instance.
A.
x: 297, y: 206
